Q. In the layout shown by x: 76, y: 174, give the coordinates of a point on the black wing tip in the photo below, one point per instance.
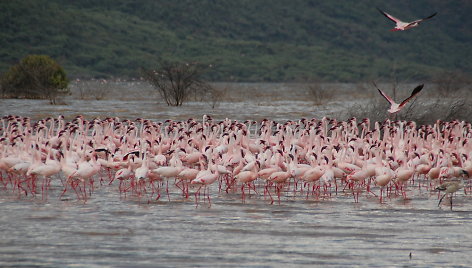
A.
x: 380, y: 91
x: 417, y: 89
x: 430, y: 16
x: 380, y: 10
x: 375, y: 85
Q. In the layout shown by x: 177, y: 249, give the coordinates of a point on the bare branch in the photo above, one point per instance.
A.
x: 175, y: 81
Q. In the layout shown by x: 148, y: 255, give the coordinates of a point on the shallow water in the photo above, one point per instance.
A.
x: 327, y: 231
x: 113, y: 231
x: 251, y: 101
x: 148, y: 109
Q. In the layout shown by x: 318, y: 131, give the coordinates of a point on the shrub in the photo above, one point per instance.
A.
x: 318, y: 94
x: 424, y: 109
x: 216, y: 95
x: 177, y: 81
x: 35, y: 76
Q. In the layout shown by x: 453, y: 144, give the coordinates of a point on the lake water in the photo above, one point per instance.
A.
x: 109, y: 230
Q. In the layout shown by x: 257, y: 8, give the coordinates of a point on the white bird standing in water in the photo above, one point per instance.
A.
x: 401, y: 25
x: 450, y: 187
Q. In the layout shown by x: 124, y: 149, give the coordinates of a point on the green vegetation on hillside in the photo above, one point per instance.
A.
x: 242, y: 40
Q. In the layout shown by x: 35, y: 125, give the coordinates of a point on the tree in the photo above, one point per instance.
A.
x: 35, y: 76
x: 176, y: 81
x: 318, y: 94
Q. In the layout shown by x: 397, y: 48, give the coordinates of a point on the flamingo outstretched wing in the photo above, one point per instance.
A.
x: 423, y: 19
x: 392, y: 18
x: 413, y: 94
x: 387, y: 97
x: 429, y: 17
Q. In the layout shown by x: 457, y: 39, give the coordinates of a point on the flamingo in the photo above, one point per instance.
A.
x: 142, y: 173
x: 85, y: 171
x: 327, y: 149
x: 47, y: 169
x: 279, y: 177
x: 247, y: 176
x: 383, y: 176
x: 122, y: 175
x: 204, y: 178
x: 403, y: 174
x: 20, y: 168
x: 395, y: 107
x: 402, y: 26
x: 186, y: 175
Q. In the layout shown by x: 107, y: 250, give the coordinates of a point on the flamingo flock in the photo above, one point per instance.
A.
x: 306, y: 158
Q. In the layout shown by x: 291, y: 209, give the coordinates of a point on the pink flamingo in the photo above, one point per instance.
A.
x: 279, y: 177
x: 205, y: 178
x: 245, y: 177
x: 402, y: 26
x: 395, y: 107
x: 186, y: 176
x: 122, y: 175
x: 47, y: 169
x: 383, y: 176
x: 85, y: 171
x: 404, y: 173
x: 168, y: 173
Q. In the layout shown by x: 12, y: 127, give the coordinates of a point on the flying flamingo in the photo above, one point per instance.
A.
x: 402, y: 26
x: 395, y: 107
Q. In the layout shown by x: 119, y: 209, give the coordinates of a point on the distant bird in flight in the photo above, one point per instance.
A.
x: 402, y: 26
x: 395, y: 107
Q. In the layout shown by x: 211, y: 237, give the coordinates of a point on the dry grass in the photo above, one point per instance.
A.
x: 319, y: 93
x: 430, y: 106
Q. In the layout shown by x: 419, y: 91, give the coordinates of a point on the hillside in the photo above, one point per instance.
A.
x: 276, y: 40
